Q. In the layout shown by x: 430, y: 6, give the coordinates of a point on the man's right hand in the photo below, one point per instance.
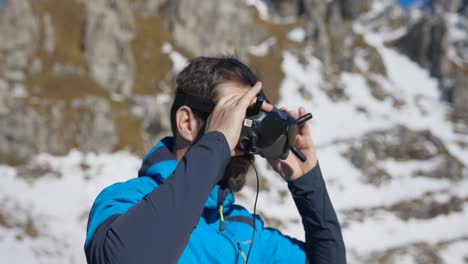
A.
x: 229, y: 113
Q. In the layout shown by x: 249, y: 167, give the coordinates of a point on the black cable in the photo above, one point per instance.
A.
x: 254, y: 212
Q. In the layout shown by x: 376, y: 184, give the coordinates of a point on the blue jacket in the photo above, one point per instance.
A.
x: 175, y: 212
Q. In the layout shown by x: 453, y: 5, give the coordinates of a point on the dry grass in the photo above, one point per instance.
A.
x: 153, y: 65
x: 68, y: 20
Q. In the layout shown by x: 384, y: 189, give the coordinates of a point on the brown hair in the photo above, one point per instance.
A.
x: 203, y: 74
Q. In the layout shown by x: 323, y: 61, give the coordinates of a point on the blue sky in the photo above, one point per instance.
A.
x: 408, y: 3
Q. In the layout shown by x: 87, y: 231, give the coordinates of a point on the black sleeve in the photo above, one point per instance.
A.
x: 324, y: 242
x: 157, y: 229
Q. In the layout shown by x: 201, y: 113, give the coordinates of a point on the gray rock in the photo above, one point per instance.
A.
x: 316, y: 8
x: 65, y: 69
x: 35, y: 67
x: 16, y: 60
x: 42, y: 125
x: 146, y: 8
x: 403, y: 144
x: 316, y: 30
x: 19, y: 35
x: 426, y: 208
x: 440, y: 6
x: 208, y: 28
x: 464, y: 9
x: 14, y: 75
x: 96, y: 130
x: 19, y: 219
x: 108, y: 31
x: 49, y: 35
x: 460, y: 98
x: 20, y: 133
x: 362, y: 156
x: 426, y: 43
x: 351, y: 9
x: 4, y: 90
x: 330, y: 36
x: 19, y: 26
x: 448, y: 167
x: 283, y: 11
x: 419, y: 252
x: 155, y: 112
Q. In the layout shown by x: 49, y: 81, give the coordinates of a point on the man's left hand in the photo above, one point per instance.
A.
x: 292, y: 168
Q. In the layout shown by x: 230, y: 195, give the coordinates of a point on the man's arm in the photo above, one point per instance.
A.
x: 324, y: 242
x: 157, y: 229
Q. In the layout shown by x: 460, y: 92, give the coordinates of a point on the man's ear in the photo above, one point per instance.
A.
x: 188, y: 125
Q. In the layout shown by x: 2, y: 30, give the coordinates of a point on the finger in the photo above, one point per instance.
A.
x: 301, y: 111
x: 233, y: 99
x: 267, y: 107
x: 228, y: 98
x: 293, y: 114
x: 250, y: 95
x: 304, y: 127
x: 223, y: 99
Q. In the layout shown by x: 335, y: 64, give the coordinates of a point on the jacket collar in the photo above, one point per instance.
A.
x: 159, y: 163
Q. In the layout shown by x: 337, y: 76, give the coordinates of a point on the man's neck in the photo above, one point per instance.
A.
x: 179, y: 149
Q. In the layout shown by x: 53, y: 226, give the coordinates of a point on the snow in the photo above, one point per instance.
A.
x: 367, y: 236
x: 456, y: 253
x: 262, y: 49
x: 177, y: 59
x: 457, y: 27
x: 297, y: 34
x: 19, y: 91
x: 261, y: 7
x: 57, y: 205
x: 361, y: 63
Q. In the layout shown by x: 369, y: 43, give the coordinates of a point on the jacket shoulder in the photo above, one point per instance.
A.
x: 116, y: 199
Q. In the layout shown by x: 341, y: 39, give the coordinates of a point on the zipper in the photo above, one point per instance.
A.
x: 221, y: 215
x: 236, y: 251
x: 241, y: 252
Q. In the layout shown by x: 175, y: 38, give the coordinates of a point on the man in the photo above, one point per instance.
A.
x: 181, y: 207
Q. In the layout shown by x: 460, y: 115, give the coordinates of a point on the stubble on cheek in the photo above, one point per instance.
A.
x: 236, y: 172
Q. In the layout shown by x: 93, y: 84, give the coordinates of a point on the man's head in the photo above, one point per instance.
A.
x: 211, y: 78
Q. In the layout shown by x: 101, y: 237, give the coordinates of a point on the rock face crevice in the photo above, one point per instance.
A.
x: 207, y: 28
x: 19, y: 31
x: 426, y: 43
x: 108, y: 32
